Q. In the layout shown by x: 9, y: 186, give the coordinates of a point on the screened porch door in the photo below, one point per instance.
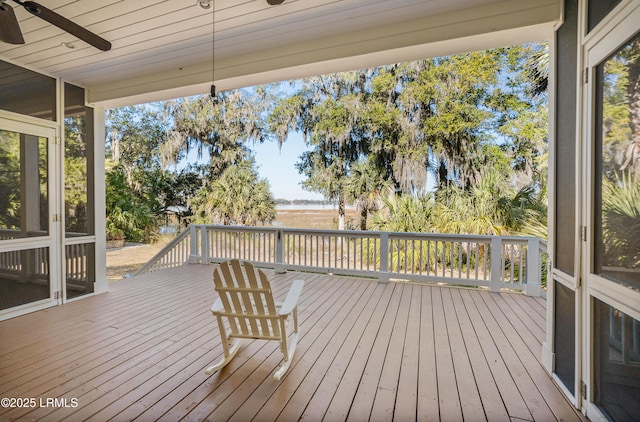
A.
x: 611, y: 300
x: 29, y: 219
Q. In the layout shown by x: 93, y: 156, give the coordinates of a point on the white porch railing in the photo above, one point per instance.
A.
x: 423, y: 257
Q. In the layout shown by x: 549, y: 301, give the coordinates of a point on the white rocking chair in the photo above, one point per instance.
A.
x: 246, y: 304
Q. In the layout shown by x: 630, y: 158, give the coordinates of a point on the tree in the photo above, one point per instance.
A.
x: 632, y: 154
x: 491, y: 207
x: 620, y: 179
x: 134, y: 177
x: 366, y: 188
x: 9, y: 180
x: 621, y: 221
x: 135, y: 135
x: 238, y: 196
x: 222, y: 129
x: 146, y: 142
x: 128, y: 215
x: 476, y: 122
x: 405, y: 213
x: 327, y: 110
x: 231, y: 192
x: 450, y: 116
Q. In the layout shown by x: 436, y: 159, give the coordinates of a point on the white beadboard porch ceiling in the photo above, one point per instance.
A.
x: 164, y: 48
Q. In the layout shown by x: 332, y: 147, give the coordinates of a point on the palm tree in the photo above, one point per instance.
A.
x: 365, y: 188
x: 490, y: 207
x: 238, y: 196
x: 404, y: 213
x: 621, y: 221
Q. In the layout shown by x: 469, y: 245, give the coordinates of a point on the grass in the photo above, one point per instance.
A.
x: 314, y: 219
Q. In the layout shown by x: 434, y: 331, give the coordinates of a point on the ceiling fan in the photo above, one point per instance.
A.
x: 10, y: 30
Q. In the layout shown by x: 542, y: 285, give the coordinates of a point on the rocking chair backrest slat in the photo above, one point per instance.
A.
x: 259, y: 292
x: 271, y: 304
x: 224, y: 298
x: 247, y: 300
x: 235, y: 306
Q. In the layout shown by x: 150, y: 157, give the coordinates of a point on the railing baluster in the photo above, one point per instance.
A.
x: 414, y: 256
x: 444, y: 258
x: 459, y: 259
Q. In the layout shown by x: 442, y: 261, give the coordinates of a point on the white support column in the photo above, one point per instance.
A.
x: 384, y: 258
x: 204, y: 245
x: 194, y: 258
x: 533, y: 287
x: 279, y: 264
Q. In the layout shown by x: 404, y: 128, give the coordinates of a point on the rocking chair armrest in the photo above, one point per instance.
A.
x: 291, y: 300
x: 217, y: 306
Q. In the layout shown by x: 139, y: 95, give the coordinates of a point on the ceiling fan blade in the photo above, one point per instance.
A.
x: 9, y: 28
x: 66, y: 25
x: 274, y: 2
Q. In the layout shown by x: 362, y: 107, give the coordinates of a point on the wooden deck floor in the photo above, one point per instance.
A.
x: 367, y: 351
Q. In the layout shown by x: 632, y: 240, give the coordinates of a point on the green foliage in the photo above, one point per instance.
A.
x: 621, y: 221
x: 327, y: 110
x: 365, y: 188
x: 75, y: 174
x: 491, y: 207
x: 436, y: 117
x: 128, y: 215
x: 475, y: 123
x: 222, y: 129
x: 619, y: 244
x: 139, y: 186
x: 238, y: 196
x: 9, y: 180
x: 405, y: 213
x: 147, y: 141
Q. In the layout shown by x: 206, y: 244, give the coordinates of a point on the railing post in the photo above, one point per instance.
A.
x: 533, y: 286
x: 383, y: 276
x: 194, y: 258
x: 204, y: 244
x: 496, y: 263
x: 279, y: 264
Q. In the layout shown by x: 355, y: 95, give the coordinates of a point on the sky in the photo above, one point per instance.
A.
x: 278, y: 167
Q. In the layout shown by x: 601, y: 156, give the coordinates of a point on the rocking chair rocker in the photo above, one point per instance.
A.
x: 246, y: 304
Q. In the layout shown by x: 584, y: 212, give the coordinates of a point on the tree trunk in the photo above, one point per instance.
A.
x: 632, y: 159
x: 341, y: 212
x: 363, y: 218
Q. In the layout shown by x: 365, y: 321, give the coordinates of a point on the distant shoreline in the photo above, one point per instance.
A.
x: 309, y: 207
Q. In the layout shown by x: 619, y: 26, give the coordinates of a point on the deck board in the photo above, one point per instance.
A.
x: 342, y: 398
x: 470, y: 402
x: 318, y: 404
x: 428, y: 402
x: 448, y: 395
x: 494, y: 408
x: 367, y: 351
x: 405, y: 407
x: 307, y: 378
x: 511, y: 349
